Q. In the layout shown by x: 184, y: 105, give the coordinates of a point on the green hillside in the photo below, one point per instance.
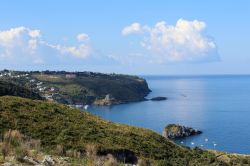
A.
x: 88, y: 87
x: 56, y: 124
x: 11, y: 89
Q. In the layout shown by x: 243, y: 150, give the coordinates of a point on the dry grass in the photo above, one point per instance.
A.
x: 91, y: 150
x: 73, y: 154
x: 16, y: 144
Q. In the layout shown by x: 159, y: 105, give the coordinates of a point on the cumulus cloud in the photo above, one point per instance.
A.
x: 82, y: 37
x: 81, y: 51
x: 19, y: 41
x: 133, y: 28
x: 185, y: 41
x: 22, y: 44
x: 34, y: 33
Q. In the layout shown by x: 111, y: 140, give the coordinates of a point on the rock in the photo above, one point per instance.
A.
x: 30, y: 160
x: 9, y: 164
x: 48, y: 161
x: 108, y: 100
x: 158, y: 98
x: 173, y: 131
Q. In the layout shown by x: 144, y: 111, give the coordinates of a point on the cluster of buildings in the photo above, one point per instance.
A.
x: 26, y: 79
x: 46, y: 91
x: 11, y: 74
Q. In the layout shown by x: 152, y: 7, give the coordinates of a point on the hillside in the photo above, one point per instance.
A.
x: 80, y: 88
x: 56, y: 124
x: 11, y: 89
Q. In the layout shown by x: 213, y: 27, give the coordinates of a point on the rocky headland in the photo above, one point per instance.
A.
x: 75, y: 88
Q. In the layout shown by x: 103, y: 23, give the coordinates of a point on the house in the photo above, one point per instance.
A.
x: 79, y: 105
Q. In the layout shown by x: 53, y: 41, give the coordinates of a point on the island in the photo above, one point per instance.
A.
x: 173, y: 131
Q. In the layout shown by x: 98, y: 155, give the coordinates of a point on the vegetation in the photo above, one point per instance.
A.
x: 79, y: 88
x: 65, y: 131
x: 12, y: 89
x: 86, y: 87
x: 17, y: 148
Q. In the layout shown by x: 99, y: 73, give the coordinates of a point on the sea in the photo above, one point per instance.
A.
x: 218, y: 105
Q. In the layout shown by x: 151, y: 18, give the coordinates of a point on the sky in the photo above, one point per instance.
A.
x: 159, y: 37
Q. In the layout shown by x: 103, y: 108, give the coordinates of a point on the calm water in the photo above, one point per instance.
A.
x: 217, y: 105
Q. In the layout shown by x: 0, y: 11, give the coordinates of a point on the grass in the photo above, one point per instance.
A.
x: 49, y: 78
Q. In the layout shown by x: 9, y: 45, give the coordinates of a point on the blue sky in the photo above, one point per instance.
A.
x: 135, y: 37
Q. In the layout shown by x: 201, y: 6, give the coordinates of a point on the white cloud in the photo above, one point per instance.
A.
x: 33, y: 44
x: 34, y: 33
x: 185, y: 41
x: 82, y: 37
x: 81, y: 51
x: 133, y: 28
x: 24, y: 45
x: 19, y: 43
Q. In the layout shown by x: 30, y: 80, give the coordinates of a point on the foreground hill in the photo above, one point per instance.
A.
x: 72, y: 129
x: 11, y: 89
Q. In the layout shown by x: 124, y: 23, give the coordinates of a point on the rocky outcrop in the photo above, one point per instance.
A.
x: 108, y: 100
x: 31, y: 161
x: 9, y: 164
x: 48, y: 161
x: 158, y: 98
x: 173, y: 131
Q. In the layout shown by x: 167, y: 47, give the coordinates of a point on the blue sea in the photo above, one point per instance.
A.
x: 217, y: 105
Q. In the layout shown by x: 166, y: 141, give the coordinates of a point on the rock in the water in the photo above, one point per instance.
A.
x: 158, y: 98
x: 173, y: 131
